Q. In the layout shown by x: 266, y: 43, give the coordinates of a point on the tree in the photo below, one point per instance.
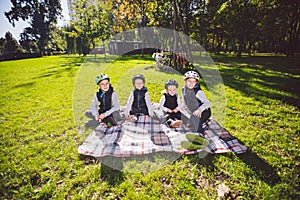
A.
x: 57, y: 40
x: 41, y: 14
x: 10, y: 45
x: 28, y: 42
x: 240, y: 19
x: 289, y: 11
x: 129, y: 14
x: 162, y: 14
x: 91, y: 23
x: 70, y: 39
x: 2, y: 40
x: 218, y: 25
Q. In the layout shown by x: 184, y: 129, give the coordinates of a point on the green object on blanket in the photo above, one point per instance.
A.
x: 191, y: 146
x: 195, y: 139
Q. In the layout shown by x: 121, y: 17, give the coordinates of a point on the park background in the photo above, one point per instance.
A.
x: 255, y: 45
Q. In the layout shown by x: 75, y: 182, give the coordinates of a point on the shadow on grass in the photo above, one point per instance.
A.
x: 262, y: 169
x: 69, y: 65
x: 258, y: 77
x: 206, y: 161
x: 169, y: 70
x: 266, y: 62
x: 112, y: 175
x: 25, y: 85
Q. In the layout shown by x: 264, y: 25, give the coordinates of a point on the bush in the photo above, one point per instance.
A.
x: 17, y: 56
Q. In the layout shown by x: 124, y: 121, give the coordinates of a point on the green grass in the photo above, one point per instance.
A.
x: 43, y: 100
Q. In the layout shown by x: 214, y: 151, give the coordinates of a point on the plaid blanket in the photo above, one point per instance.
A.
x: 149, y: 136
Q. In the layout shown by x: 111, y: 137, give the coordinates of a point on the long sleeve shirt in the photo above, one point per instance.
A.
x: 200, y: 96
x: 115, y: 105
x: 130, y: 103
x: 163, y: 100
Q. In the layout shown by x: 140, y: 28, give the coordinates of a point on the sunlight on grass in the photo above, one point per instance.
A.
x: 41, y: 98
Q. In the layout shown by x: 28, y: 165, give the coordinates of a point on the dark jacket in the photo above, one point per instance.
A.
x: 105, y: 99
x: 139, y: 103
x: 171, y: 101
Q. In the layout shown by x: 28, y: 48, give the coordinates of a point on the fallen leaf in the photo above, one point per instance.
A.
x: 222, y: 190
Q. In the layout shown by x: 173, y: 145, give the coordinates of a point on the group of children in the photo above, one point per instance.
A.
x: 105, y: 105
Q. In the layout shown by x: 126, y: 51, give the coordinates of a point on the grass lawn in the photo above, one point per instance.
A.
x: 43, y: 101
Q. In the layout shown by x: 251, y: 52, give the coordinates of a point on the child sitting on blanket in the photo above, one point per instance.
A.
x: 139, y: 101
x: 170, y: 104
x: 195, y: 100
x: 105, y: 106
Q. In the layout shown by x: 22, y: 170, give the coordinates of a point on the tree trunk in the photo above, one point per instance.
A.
x: 174, y: 38
x: 187, y: 42
x: 104, y: 50
x: 294, y: 30
x: 240, y: 48
x: 219, y: 46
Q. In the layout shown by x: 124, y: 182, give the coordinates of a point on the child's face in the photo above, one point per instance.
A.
x: 104, y: 85
x: 190, y: 82
x: 171, y: 90
x: 138, y: 84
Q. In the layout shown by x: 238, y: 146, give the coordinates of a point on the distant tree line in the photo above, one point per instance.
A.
x: 237, y: 26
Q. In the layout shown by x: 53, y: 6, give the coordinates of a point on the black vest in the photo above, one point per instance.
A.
x: 105, y: 99
x: 171, y: 101
x: 190, y: 98
x: 139, y: 102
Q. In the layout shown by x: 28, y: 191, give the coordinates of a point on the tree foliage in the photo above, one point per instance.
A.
x: 128, y: 14
x: 91, y: 24
x: 9, y: 45
x: 227, y: 25
x: 42, y: 17
x: 218, y: 25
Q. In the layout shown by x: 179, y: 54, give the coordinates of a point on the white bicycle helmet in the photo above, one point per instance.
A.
x: 101, y: 77
x: 191, y: 74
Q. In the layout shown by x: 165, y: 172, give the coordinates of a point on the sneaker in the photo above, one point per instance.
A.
x: 191, y: 146
x: 89, y: 114
x: 133, y: 118
x: 195, y: 139
x: 163, y: 119
x: 111, y: 122
x: 109, y: 125
x: 87, y: 160
x: 174, y: 123
x: 91, y: 124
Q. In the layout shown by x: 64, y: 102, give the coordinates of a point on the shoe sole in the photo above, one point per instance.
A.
x: 190, y: 146
x: 196, y: 139
x: 176, y: 124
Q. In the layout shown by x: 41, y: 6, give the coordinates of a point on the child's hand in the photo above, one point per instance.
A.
x: 97, y: 118
x: 102, y: 116
x: 169, y: 110
x: 127, y: 116
x: 133, y: 118
x: 175, y: 110
x: 197, y: 113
